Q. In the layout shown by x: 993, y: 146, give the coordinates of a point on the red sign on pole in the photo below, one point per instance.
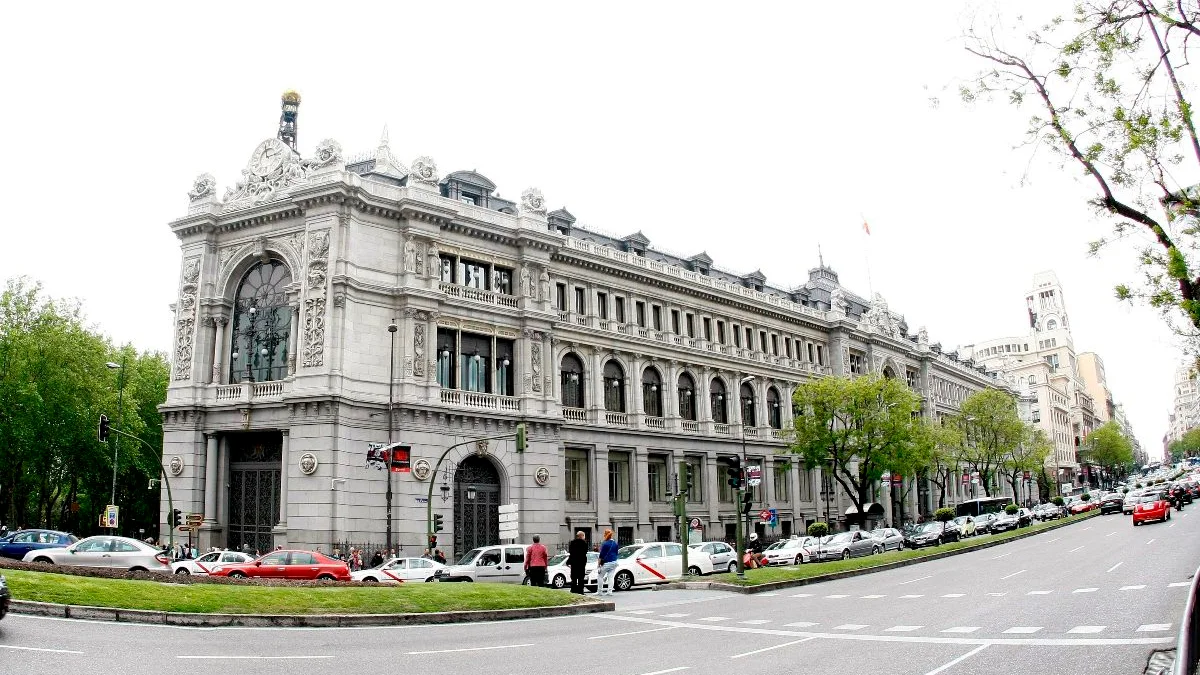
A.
x: 1026, y: 475
x: 966, y: 478
x: 765, y: 515
x: 400, y: 459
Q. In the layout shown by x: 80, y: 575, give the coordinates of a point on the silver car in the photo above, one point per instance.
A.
x: 722, y: 554
x: 848, y: 545
x: 104, y: 551
x: 890, y: 537
x: 1131, y: 500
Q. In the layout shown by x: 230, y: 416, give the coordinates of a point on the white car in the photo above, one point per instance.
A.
x: 209, y: 562
x: 789, y: 552
x: 558, y: 573
x: 487, y: 564
x: 397, y: 570
x: 723, y: 557
x: 104, y: 551
x: 656, y: 562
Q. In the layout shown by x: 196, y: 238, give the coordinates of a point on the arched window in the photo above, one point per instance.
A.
x: 614, y: 387
x: 571, y: 374
x: 716, y: 396
x: 774, y: 411
x: 687, y: 397
x: 652, y: 395
x: 1032, y: 380
x: 888, y: 373
x: 262, y: 323
x: 747, y: 395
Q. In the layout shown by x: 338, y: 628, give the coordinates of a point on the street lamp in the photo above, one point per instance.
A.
x: 742, y: 487
x: 120, y: 367
x: 470, y: 493
x: 392, y: 328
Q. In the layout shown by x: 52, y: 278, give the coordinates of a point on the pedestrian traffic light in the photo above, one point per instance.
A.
x: 400, y: 458
x: 176, y: 518
x: 102, y: 434
x: 734, y: 470
x: 437, y: 522
x: 432, y: 543
x: 520, y: 437
x: 747, y: 503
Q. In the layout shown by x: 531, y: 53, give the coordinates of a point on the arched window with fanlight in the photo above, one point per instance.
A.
x: 652, y: 395
x: 716, y: 396
x: 687, y: 397
x: 571, y: 376
x: 262, y: 324
x: 774, y: 410
x: 748, y: 412
x: 614, y: 387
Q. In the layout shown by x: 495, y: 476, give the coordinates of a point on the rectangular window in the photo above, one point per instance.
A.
x: 624, y: 536
x: 475, y: 363
x: 656, y: 478
x: 577, y: 475
x: 690, y: 322
x: 762, y: 341
x: 618, y: 477
x: 505, y: 367
x: 696, y: 494
x: 910, y: 376
x: 602, y: 305
x: 721, y: 332
x: 805, y: 485
x: 560, y: 297
x: 640, y: 310
x: 787, y: 346
x: 473, y: 274
x: 675, y: 322
x: 447, y: 345
x: 620, y: 309
x: 781, y: 480
x: 502, y: 280
x: 448, y: 267
x: 580, y: 300
x: 774, y: 344
x: 724, y: 491
x: 820, y: 356
x: 749, y: 338
x: 811, y: 359
x: 708, y: 329
x: 656, y: 314
x: 737, y: 336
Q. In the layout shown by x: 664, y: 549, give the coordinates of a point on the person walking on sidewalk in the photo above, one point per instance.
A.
x: 577, y: 552
x: 536, y: 559
x: 608, y: 565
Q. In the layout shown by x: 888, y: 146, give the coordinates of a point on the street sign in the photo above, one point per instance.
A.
x: 774, y: 517
x: 754, y: 475
x: 111, y: 514
x: 509, y: 517
x: 194, y: 519
x: 765, y: 515
x: 1026, y: 475
x: 966, y: 478
x: 694, y: 523
x: 184, y: 528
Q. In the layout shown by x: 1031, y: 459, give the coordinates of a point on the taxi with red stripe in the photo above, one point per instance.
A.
x: 210, y: 562
x: 399, y: 570
x: 656, y: 562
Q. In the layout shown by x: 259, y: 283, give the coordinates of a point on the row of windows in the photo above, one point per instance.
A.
x: 482, y: 275
x: 1003, y: 349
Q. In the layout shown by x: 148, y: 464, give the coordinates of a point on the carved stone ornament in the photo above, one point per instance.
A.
x: 845, y: 361
x: 419, y: 348
x: 544, y: 285
x: 533, y: 202
x: 328, y: 152
x: 838, y: 303
x: 204, y: 187
x: 308, y: 464
x: 424, y: 170
x: 879, y: 319
x: 185, y: 319
x: 481, y: 447
x: 176, y: 466
x: 226, y: 254
x: 421, y: 469
x: 435, y: 260
x: 410, y: 256
x: 922, y: 337
x: 528, y: 289
x: 314, y: 301
x: 535, y: 361
x: 541, y: 476
x: 275, y: 170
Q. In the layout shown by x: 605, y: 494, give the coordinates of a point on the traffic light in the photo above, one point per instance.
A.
x: 400, y: 458
x: 437, y: 522
x: 432, y: 543
x: 747, y: 504
x: 520, y: 437
x: 689, y: 479
x: 734, y: 471
x: 102, y: 433
x: 176, y: 518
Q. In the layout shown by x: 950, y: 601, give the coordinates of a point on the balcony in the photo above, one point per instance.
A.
x: 574, y: 414
x: 689, y: 425
x: 616, y: 419
x: 245, y: 392
x: 478, y: 295
x: 659, y: 423
x: 781, y: 434
x: 721, y: 429
x: 480, y: 401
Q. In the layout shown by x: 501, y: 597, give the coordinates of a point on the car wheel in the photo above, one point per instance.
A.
x: 182, y: 570
x: 430, y: 580
x: 799, y: 559
x: 43, y: 560
x: 876, y: 551
x: 370, y: 580
x: 624, y: 580
x: 732, y: 566
x: 938, y: 542
x: 559, y: 581
x: 237, y: 575
x: 326, y: 577
x: 1136, y: 523
x: 138, y: 569
x: 694, y: 571
x: 846, y: 554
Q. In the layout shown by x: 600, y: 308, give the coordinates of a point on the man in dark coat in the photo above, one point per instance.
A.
x: 577, y: 552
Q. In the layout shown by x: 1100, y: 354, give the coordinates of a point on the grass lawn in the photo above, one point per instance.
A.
x: 222, y: 599
x: 809, y: 570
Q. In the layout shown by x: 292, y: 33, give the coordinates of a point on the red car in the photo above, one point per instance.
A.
x: 1152, y: 506
x: 298, y: 565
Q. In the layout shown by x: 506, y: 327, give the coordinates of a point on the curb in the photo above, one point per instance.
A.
x: 834, y: 576
x: 298, y: 620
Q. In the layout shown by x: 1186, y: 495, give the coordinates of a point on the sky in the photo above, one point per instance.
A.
x: 752, y: 131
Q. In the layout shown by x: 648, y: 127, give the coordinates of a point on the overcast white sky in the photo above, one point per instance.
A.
x: 751, y: 131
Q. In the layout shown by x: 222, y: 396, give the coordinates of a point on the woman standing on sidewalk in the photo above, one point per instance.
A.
x: 608, y: 565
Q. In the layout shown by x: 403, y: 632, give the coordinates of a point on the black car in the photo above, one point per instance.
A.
x: 1113, y: 502
x: 1005, y: 522
x: 931, y: 534
x: 4, y: 597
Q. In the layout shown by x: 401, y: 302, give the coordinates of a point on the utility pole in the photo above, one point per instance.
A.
x: 683, y: 483
x: 391, y: 424
x: 120, y: 368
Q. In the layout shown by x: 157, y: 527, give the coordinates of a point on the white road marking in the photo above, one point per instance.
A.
x: 961, y: 629
x: 1002, y: 555
x: 1086, y: 528
x: 1075, y: 549
x: 837, y: 597
x: 1111, y: 534
x: 913, y: 581
x: 851, y: 626
x: 802, y: 595
x: 1116, y: 566
x: 1152, y: 541
x: 767, y: 595
x: 998, y: 595
x: 1085, y: 590
x: 39, y: 649
x: 801, y: 624
x: 1051, y: 541
x: 1133, y: 588
x: 1013, y: 575
x: 1077, y: 630
x: 1177, y: 584
x: 960, y: 659
x: 1170, y: 526
x: 954, y: 595
x: 715, y: 618
x: 1039, y: 592
x: 291, y: 657
x: 1023, y: 630
x: 638, y: 611
x: 636, y: 632
x: 676, y: 616
x: 767, y: 649
x: 1153, y: 627
x: 908, y: 597
x: 668, y: 670
x: 872, y: 597
x: 903, y: 629
x: 755, y: 622
x: 466, y: 649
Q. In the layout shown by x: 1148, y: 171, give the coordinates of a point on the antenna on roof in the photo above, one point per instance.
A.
x: 287, y: 117
x: 820, y: 257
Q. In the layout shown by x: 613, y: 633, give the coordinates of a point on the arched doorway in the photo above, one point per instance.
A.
x: 476, y: 520
x: 255, y: 462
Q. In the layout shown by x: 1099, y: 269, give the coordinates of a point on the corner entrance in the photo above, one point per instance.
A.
x: 476, y: 504
x: 255, y: 461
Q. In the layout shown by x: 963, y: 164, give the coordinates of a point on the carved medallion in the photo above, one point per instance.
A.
x: 308, y: 464
x: 541, y: 476
x: 176, y: 465
x: 421, y: 469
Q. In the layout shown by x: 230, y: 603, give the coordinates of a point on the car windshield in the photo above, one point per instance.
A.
x: 628, y: 551
x: 469, y: 557
x: 961, y: 520
x: 931, y: 527
x: 841, y: 538
x: 1149, y: 498
x: 558, y: 559
x: 776, y: 546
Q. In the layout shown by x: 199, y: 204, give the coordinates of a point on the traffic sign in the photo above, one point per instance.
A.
x: 695, y: 523
x: 111, y: 516
x: 754, y: 475
x: 195, y: 518
x: 966, y: 478
x: 774, y: 517
x: 1026, y: 475
x: 509, y: 518
x: 765, y: 515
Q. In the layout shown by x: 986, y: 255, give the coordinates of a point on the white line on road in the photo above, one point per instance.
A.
x: 913, y: 581
x: 767, y: 595
x: 675, y: 616
x: 903, y: 629
x: 636, y: 632
x: 715, y: 618
x: 39, y: 649
x: 872, y: 597
x: 1085, y: 590
x: 1051, y: 541
x: 961, y: 629
x: 1170, y: 526
x: 1086, y: 528
x: 755, y: 622
x: 1077, y: 630
x: 1111, y: 534
x: 998, y: 595
x: 767, y: 649
x: 802, y: 595
x: 1177, y: 584
x: 960, y: 659
x: 1039, y: 592
x: 1152, y: 541
x: 1116, y: 566
x: 668, y: 670
x: 1133, y: 588
x: 638, y: 611
x: 800, y: 624
x: 288, y: 657
x: 954, y: 595
x: 1153, y: 627
x: 1075, y: 549
x: 469, y: 649
x: 851, y: 626
x: 1002, y: 555
x: 1023, y: 630
x: 909, y: 597
x: 1013, y: 575
x: 837, y: 597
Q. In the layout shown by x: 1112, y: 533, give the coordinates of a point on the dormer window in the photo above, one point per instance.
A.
x: 469, y: 199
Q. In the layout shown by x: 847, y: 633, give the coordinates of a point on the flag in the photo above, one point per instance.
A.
x: 866, y: 228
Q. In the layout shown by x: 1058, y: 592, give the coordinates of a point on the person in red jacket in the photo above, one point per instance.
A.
x: 536, y: 559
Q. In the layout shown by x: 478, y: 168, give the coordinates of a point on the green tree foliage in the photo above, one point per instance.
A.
x: 54, y: 385
x: 1188, y: 446
x: 1108, y: 448
x: 1011, y: 509
x: 818, y: 529
x: 992, y: 433
x: 1028, y: 455
x: 864, y: 426
x: 941, y: 443
x: 1109, y: 93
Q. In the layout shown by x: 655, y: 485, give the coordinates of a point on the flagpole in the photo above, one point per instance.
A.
x: 867, y: 254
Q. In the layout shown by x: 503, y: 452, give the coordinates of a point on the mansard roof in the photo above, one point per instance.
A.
x: 471, y: 177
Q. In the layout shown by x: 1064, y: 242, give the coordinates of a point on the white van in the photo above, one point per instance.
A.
x: 488, y: 564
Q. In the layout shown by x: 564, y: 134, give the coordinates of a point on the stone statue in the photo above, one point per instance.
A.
x: 435, y: 261
x: 410, y: 256
x: 533, y: 202
x: 526, y: 287
x: 544, y: 283
x: 424, y: 170
x: 922, y: 336
x: 837, y: 302
x: 203, y: 187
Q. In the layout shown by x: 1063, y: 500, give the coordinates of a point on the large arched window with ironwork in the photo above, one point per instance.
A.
x: 774, y: 411
x: 748, y: 416
x: 687, y: 397
x: 571, y: 374
x: 614, y: 387
x: 262, y: 323
x: 652, y: 395
x: 716, y: 396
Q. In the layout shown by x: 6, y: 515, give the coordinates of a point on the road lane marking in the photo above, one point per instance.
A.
x: 961, y: 629
x: 39, y: 649
x: 1111, y: 534
x: 836, y: 597
x: 755, y: 622
x: 675, y: 616
x: 913, y: 581
x: 1078, y: 630
x: 1039, y: 592
x: 1085, y: 590
x: 636, y: 632
x: 1013, y: 575
x: 954, y: 595
x: 767, y: 595
x: 668, y: 670
x: 960, y: 659
x: 1133, y: 588
x: 1116, y: 566
x: 872, y: 597
x: 1152, y: 541
x: 851, y: 626
x: 1177, y: 584
x: 998, y: 595
x: 1002, y: 555
x: 638, y: 611
x: 802, y: 595
x: 909, y: 597
x: 1153, y: 627
x: 1075, y: 549
x: 903, y: 629
x: 288, y: 657
x: 715, y: 618
x: 1023, y: 630
x: 767, y: 649
x: 468, y: 649
x: 801, y: 624
x: 1051, y: 541
x: 1086, y: 528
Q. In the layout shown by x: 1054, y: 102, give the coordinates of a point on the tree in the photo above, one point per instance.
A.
x: 992, y: 431
x: 1187, y: 446
x: 862, y: 426
x: 1108, y: 448
x: 1111, y: 99
x: 943, y: 443
x: 1028, y: 455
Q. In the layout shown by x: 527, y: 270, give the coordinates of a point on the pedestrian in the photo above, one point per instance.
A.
x: 608, y: 565
x: 356, y: 565
x: 377, y: 559
x: 577, y: 552
x: 536, y: 560
x: 439, y: 557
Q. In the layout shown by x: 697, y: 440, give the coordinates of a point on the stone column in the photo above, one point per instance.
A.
x: 293, y: 333
x: 795, y: 475
x: 670, y: 394
x: 210, y: 479
x: 703, y: 402
x: 219, y: 348
x: 633, y: 392
x: 640, y: 462
x: 600, y: 471
x: 598, y: 384
x: 712, y: 494
x: 283, y: 481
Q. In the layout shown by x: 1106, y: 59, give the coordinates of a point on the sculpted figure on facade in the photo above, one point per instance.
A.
x: 314, y: 302
x: 435, y: 260
x: 838, y: 303
x: 185, y: 319
x: 535, y: 360
x: 419, y: 345
x: 203, y: 187
x: 527, y: 288
x: 532, y: 202
x: 424, y: 170
x: 544, y: 285
x: 328, y: 152
x: 410, y: 256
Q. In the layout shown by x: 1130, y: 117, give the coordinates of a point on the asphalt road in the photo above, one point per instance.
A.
x: 1094, y: 597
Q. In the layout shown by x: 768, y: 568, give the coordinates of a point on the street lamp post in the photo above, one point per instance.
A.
x: 392, y: 327
x: 741, y: 493
x: 120, y: 368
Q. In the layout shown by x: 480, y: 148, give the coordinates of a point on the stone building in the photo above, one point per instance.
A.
x: 622, y: 360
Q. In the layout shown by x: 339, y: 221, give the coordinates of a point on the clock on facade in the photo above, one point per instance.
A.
x: 267, y: 157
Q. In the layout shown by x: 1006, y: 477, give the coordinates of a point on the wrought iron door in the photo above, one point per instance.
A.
x: 476, y: 521
x: 254, y: 468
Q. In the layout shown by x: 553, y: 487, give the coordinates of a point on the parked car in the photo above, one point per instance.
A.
x: 723, y: 557
x: 488, y: 564
x: 846, y: 545
x: 5, y: 597
x: 966, y: 525
x: 651, y: 563
x: 295, y: 565
x: 983, y: 523
x: 558, y: 573
x: 397, y: 570
x: 1131, y: 501
x: 1083, y: 507
x: 1152, y: 506
x: 932, y: 534
x: 17, y: 544
x: 104, y: 551
x: 1005, y: 522
x: 1024, y: 517
x: 1112, y: 502
x: 208, y: 562
x: 890, y: 536
x: 787, y: 552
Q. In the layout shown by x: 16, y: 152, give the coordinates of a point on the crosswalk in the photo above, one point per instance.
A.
x: 991, y: 594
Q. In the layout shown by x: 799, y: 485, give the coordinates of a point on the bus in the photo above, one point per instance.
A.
x: 983, y: 505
